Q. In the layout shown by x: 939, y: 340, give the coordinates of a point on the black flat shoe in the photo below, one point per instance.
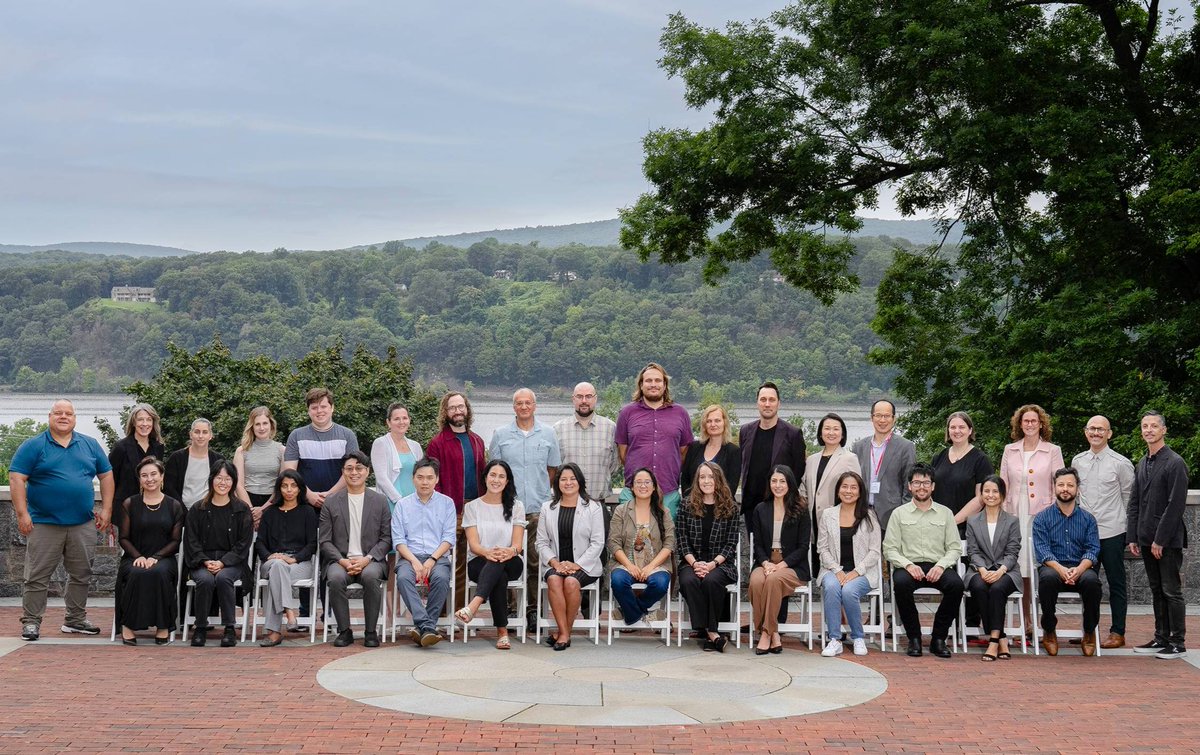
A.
x: 162, y: 640
x: 761, y: 651
x: 708, y: 645
x: 129, y: 640
x: 720, y: 643
x: 271, y: 643
x: 551, y: 640
x: 562, y: 645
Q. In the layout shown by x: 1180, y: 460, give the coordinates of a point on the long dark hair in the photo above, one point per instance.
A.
x: 656, y: 503
x: 862, y: 507
x: 1001, y: 485
x: 583, y: 495
x: 218, y: 468
x: 794, y: 504
x: 508, y: 496
x: 296, y: 477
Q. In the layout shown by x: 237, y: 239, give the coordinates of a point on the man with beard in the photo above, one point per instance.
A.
x: 1066, y: 544
x: 766, y: 442
x: 653, y: 432
x: 586, y: 439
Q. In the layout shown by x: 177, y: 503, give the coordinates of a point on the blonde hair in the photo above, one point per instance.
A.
x: 248, y: 431
x: 728, y: 436
x: 131, y: 422
x: 637, y: 392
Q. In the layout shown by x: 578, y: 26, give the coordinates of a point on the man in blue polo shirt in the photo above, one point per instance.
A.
x: 52, y: 496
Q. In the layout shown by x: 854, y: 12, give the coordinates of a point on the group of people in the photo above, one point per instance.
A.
x: 460, y: 509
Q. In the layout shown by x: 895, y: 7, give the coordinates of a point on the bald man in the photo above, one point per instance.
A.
x: 586, y: 439
x: 1105, y: 483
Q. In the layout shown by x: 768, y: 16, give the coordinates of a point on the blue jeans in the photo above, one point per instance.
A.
x: 634, y: 607
x: 835, y: 598
x: 424, y: 615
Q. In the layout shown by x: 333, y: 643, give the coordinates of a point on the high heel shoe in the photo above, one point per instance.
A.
x: 129, y: 640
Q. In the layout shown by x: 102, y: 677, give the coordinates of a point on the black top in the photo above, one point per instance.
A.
x: 848, y: 549
x: 794, y: 538
x: 218, y: 533
x: 955, y: 483
x: 729, y: 458
x: 705, y: 537
x: 125, y: 455
x: 566, y: 533
x: 759, y: 472
x: 293, y: 532
x: 150, y: 531
x: 821, y: 464
x: 177, y: 464
x: 706, y: 524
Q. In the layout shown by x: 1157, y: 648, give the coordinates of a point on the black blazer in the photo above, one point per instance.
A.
x: 787, y: 448
x: 124, y: 457
x: 689, y: 538
x: 729, y: 458
x: 177, y: 464
x: 1157, y: 502
x: 202, y: 535
x: 794, y: 539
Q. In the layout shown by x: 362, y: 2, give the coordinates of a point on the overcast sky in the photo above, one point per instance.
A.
x: 257, y: 124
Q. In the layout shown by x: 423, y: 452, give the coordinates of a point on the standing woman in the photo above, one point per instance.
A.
x: 715, y: 445
x: 961, y: 469
x: 641, y: 539
x: 781, y: 529
x: 822, y: 471
x: 286, y: 545
x: 393, y: 455
x: 219, y: 529
x: 494, y: 524
x: 258, y: 460
x: 186, y: 478
x: 151, y: 526
x: 143, y: 437
x: 707, y: 535
x: 570, y: 539
x: 993, y: 545
x: 850, y: 547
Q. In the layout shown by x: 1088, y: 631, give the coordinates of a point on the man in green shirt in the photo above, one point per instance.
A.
x: 923, y: 548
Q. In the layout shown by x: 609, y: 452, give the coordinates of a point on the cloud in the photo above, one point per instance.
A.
x: 237, y: 122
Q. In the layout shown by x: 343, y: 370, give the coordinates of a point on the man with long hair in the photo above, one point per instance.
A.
x: 654, y: 432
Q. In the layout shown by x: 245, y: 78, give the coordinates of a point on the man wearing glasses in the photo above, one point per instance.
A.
x: 586, y: 439
x: 885, y: 459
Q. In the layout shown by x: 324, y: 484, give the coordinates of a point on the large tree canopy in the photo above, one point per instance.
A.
x: 1058, y: 140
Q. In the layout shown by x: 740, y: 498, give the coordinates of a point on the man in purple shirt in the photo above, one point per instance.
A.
x: 653, y: 432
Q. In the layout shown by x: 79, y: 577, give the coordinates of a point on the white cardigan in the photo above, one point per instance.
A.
x: 867, y: 546
x: 587, y: 536
x: 384, y: 460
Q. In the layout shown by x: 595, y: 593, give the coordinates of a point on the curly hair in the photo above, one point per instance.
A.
x: 1015, y: 423
x: 442, y: 418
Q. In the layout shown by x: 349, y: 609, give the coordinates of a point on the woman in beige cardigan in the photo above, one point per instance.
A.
x: 822, y: 471
x: 641, y: 539
x: 849, y: 546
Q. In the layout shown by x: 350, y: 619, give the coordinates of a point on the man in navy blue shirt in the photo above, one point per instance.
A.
x: 53, y: 499
x: 1066, y: 544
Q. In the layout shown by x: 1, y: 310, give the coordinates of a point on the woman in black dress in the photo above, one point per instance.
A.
x: 150, y: 531
x: 143, y: 437
x: 219, y: 529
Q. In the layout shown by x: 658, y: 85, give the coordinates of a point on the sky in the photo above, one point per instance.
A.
x: 308, y: 124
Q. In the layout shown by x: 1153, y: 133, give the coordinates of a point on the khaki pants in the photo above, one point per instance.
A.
x: 46, y: 546
x: 767, y: 593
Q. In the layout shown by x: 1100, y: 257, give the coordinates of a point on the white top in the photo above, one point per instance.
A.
x: 195, y: 481
x: 489, y: 524
x: 777, y: 534
x: 992, y: 530
x: 356, y: 507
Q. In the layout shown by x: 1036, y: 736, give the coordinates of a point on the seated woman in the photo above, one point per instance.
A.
x: 781, y: 529
x: 494, y: 524
x: 218, y: 535
x: 151, y: 526
x: 641, y: 539
x: 707, y: 538
x: 570, y: 539
x: 286, y: 545
x: 993, y: 549
x: 848, y: 542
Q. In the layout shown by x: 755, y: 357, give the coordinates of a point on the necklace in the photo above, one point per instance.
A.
x: 155, y: 507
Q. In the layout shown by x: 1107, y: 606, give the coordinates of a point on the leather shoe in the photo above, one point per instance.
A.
x: 938, y: 648
x: 914, y: 648
x: 1088, y: 645
x: 228, y: 638
x: 344, y: 638
x: 1114, y: 641
x: 371, y: 640
x: 199, y: 636
x: 1050, y: 643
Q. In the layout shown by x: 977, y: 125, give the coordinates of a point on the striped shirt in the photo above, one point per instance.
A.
x: 1065, y: 539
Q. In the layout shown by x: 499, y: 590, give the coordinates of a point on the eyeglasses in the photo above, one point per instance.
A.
x: 585, y: 396
x: 354, y: 468
x: 1093, y: 429
x: 920, y: 484
x: 643, y: 483
x: 882, y: 416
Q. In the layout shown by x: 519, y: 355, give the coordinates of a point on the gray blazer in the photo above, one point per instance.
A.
x: 867, y: 546
x: 587, y: 536
x: 1003, y: 550
x: 376, y: 527
x: 898, y: 458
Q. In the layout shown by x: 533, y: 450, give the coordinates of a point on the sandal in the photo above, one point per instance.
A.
x: 502, y: 643
x: 1004, y: 655
x: 988, y: 657
x: 464, y: 615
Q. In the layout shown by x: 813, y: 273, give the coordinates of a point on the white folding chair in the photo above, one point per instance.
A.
x: 444, y: 622
x: 926, y: 592
x: 188, y: 619
x: 1013, y: 608
x: 805, y: 595
x: 1035, y: 606
x: 618, y: 625
x: 589, y: 623
x: 734, y: 591
x: 178, y: 570
x: 519, y: 586
x: 309, y: 583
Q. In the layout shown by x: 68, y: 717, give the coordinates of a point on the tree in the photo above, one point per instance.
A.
x: 1060, y: 139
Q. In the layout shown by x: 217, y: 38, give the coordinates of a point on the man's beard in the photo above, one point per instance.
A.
x: 583, y: 413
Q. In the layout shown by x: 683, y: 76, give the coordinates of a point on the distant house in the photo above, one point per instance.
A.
x: 133, y: 293
x: 564, y: 276
x: 503, y: 275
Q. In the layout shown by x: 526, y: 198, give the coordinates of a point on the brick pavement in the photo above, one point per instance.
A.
x: 110, y: 698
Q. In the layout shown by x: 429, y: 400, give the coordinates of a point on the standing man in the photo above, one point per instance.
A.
x: 422, y: 530
x: 653, y: 432
x: 459, y: 453
x: 764, y: 444
x: 1066, y: 545
x: 52, y: 497
x: 587, y: 439
x: 316, y: 449
x: 531, y: 450
x: 1105, y: 484
x: 885, y: 459
x: 1157, y: 533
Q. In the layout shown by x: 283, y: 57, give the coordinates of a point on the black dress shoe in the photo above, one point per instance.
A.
x: 199, y: 636
x: 914, y: 648
x: 229, y: 638
x: 708, y: 645
x: 938, y: 648
x: 371, y: 640
x: 344, y: 638
x: 129, y: 640
x: 720, y: 643
x: 761, y: 651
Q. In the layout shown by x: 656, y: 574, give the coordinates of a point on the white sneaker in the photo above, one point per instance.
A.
x: 832, y: 648
x: 639, y: 624
x: 860, y: 646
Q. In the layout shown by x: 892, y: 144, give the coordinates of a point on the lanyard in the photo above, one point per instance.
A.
x: 882, y: 451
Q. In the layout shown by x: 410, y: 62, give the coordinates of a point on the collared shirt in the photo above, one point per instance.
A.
x: 592, y: 448
x: 654, y: 438
x: 1105, y: 483
x: 1065, y: 539
x: 922, y: 537
x: 354, y: 549
x: 423, y: 527
x: 529, y: 454
x: 59, y: 488
x: 877, y: 452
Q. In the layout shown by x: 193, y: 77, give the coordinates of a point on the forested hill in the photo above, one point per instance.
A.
x: 493, y: 313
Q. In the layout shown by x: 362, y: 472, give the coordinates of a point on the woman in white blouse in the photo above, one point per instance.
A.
x: 494, y: 524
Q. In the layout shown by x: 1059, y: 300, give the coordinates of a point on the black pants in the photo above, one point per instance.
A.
x: 951, y: 587
x: 1112, y: 563
x: 1088, y: 587
x: 491, y: 580
x: 222, y: 584
x: 990, y: 601
x: 706, y: 598
x: 1166, y: 588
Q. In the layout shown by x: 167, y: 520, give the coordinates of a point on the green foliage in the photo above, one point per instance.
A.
x: 11, y: 437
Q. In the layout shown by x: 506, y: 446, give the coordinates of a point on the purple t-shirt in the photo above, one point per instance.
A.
x: 654, y: 437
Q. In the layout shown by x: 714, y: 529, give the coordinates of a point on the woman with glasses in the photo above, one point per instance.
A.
x: 219, y: 529
x: 641, y: 539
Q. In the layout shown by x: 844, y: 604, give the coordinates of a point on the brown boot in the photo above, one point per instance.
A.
x: 1088, y: 644
x: 1114, y: 641
x: 1050, y: 643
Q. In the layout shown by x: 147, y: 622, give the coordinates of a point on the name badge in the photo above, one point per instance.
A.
x: 875, y: 487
